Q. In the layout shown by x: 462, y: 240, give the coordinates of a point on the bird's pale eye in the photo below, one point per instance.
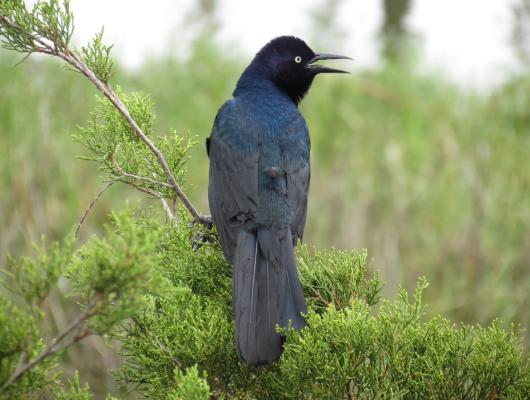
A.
x: 298, y: 59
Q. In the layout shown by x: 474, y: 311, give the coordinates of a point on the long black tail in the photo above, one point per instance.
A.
x: 266, y: 292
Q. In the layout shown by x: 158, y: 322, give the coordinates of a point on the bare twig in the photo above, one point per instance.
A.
x: 144, y: 178
x: 120, y: 178
x: 21, y: 361
x: 93, y: 202
x: 167, y: 209
x: 55, y: 346
x: 156, y: 195
x: 137, y: 177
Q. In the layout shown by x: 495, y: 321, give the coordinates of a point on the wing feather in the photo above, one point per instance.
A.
x: 297, y: 190
x: 233, y: 187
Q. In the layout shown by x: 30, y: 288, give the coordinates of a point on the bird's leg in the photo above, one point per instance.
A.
x: 207, y: 221
x: 205, y: 232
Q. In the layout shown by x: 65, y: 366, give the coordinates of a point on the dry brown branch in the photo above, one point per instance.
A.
x: 156, y: 195
x: 93, y: 202
x: 167, y: 209
x: 55, y: 346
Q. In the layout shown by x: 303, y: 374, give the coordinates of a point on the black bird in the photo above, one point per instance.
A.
x: 259, y: 179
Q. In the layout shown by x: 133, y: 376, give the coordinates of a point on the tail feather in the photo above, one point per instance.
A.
x: 266, y: 293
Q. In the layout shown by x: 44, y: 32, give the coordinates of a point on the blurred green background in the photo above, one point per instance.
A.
x: 432, y: 178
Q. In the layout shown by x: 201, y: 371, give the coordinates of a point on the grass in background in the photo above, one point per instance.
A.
x: 432, y: 179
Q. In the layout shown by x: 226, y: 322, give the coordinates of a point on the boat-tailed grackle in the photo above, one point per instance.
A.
x: 259, y: 180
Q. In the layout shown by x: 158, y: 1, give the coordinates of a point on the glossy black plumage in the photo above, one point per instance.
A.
x: 258, y: 185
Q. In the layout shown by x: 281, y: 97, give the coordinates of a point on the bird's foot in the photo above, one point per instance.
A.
x: 204, y: 233
x: 207, y: 221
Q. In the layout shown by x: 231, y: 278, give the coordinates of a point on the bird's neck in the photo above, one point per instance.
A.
x: 257, y: 85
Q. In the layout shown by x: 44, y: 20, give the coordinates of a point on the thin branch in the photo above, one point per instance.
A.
x: 55, y: 346
x: 156, y: 195
x: 145, y: 178
x: 137, y: 177
x: 167, y: 209
x: 77, y: 63
x: 20, y: 363
x: 23, y: 59
x: 93, y: 202
x: 120, y: 178
x: 153, y: 193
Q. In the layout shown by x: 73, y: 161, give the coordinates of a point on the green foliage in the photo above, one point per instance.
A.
x: 32, y: 278
x: 396, y: 354
x: 196, y: 328
x: 350, y: 346
x: 20, y: 340
x: 96, y: 55
x: 74, y: 390
x: 21, y: 336
x: 120, y: 153
x: 191, y: 386
x: 113, y: 276
x: 116, y: 272
x: 336, y: 278
x: 26, y: 31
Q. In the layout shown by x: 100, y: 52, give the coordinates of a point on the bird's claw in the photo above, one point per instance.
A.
x: 202, y: 236
x: 207, y: 221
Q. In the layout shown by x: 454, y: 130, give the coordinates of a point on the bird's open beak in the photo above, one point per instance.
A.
x: 321, y: 68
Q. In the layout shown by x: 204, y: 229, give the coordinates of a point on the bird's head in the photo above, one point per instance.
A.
x: 291, y: 64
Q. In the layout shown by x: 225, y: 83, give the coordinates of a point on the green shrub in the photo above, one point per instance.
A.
x: 352, y: 346
x: 153, y: 284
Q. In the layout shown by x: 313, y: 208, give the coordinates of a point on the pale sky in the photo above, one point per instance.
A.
x: 466, y: 39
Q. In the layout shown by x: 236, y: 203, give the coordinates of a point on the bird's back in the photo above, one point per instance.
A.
x: 259, y: 178
x: 259, y: 169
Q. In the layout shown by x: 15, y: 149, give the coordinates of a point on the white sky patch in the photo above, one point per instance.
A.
x: 468, y: 40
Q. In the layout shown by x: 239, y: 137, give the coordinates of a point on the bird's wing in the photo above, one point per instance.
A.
x: 296, y: 146
x: 297, y: 189
x: 233, y: 188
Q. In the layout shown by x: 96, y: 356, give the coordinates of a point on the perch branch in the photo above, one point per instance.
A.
x: 51, y: 47
x: 72, y: 59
